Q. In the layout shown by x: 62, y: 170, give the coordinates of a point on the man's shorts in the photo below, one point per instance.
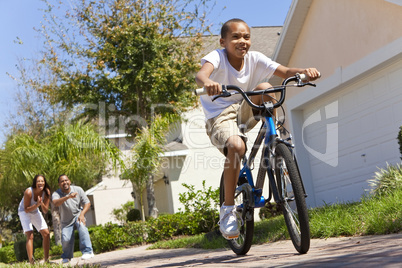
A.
x: 28, y: 219
x: 236, y: 119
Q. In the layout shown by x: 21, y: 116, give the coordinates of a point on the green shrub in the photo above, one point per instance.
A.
x: 200, y: 216
x: 201, y: 208
x: 269, y: 211
x: 7, y: 254
x: 400, y: 140
x: 112, y: 236
x: 387, y: 180
x: 134, y: 215
x: 56, y: 250
x: 39, y: 254
x: 121, y: 214
x: 20, y: 247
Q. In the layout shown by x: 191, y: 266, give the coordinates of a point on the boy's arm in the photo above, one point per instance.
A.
x: 202, y: 79
x: 285, y: 72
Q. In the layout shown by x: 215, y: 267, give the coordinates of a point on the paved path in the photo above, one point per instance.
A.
x: 366, y: 251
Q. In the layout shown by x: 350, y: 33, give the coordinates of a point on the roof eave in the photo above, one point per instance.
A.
x: 291, y: 30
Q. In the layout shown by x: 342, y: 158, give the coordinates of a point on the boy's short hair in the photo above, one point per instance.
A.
x: 225, y: 26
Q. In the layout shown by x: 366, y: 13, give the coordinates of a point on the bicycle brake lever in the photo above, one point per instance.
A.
x: 311, y: 84
x: 301, y: 84
x: 224, y: 93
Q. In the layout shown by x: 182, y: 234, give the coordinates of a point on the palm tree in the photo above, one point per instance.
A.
x: 75, y: 149
x: 144, y: 160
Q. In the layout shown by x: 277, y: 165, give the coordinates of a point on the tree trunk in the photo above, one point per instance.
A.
x: 152, y: 210
x: 142, y: 208
x: 56, y: 224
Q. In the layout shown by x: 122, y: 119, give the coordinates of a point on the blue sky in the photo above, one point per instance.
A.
x: 19, y: 17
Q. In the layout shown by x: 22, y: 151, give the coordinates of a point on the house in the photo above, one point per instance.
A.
x: 346, y: 127
x: 189, y: 157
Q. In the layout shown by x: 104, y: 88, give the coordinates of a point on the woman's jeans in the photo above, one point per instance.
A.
x: 67, y: 239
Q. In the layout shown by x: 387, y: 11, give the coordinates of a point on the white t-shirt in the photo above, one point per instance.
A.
x: 257, y: 68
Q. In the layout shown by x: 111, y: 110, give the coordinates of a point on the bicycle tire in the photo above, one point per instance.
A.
x: 292, y: 198
x: 242, y: 244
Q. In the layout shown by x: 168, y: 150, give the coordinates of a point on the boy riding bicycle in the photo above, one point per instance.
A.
x: 235, y: 65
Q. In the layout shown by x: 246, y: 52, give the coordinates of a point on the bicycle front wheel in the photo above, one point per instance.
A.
x: 292, y: 198
x: 242, y: 244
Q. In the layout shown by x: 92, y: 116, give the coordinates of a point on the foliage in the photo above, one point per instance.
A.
x: 120, y: 214
x: 128, y: 55
x: 144, y: 160
x: 19, y: 247
x: 7, y: 254
x: 387, y: 180
x: 400, y: 140
x: 56, y: 250
x: 75, y: 149
x: 269, y: 211
x: 112, y: 236
x: 134, y: 215
x: 39, y: 254
x: 202, y: 206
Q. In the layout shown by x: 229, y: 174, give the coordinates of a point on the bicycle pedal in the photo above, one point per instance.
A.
x: 231, y: 237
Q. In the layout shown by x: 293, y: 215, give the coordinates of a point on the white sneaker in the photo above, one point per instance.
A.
x: 66, y: 260
x: 228, y: 224
x: 87, y: 256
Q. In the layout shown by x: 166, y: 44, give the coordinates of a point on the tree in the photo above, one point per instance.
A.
x: 144, y: 161
x: 75, y: 149
x: 128, y: 55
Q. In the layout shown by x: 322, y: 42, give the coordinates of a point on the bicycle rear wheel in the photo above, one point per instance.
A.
x: 292, y: 197
x: 242, y: 244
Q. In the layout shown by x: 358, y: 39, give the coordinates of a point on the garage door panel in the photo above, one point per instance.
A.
x: 394, y: 77
x: 397, y: 112
x: 370, y: 114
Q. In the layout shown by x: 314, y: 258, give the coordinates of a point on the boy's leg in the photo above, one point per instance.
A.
x: 248, y: 117
x: 258, y: 100
x: 235, y: 150
x: 228, y: 223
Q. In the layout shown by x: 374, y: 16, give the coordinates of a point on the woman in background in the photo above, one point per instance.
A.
x: 38, y: 195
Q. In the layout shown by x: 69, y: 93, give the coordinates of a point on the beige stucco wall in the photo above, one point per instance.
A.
x: 113, y: 194
x: 337, y: 33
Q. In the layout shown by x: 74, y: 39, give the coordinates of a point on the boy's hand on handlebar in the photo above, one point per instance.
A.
x: 213, y: 88
x: 312, y: 73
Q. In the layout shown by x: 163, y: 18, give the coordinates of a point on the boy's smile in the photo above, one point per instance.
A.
x: 237, y: 42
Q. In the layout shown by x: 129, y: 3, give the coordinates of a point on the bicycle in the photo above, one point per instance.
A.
x: 278, y: 163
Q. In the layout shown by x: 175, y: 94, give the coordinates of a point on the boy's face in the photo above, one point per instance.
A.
x: 237, y: 41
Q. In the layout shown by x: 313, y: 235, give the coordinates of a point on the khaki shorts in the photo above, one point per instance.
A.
x: 236, y: 119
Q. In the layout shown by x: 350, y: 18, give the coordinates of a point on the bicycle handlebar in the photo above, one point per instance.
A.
x: 301, y: 79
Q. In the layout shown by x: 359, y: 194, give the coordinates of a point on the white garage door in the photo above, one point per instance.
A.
x: 349, y: 134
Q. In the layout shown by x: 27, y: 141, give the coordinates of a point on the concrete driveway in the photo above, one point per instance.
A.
x: 365, y: 251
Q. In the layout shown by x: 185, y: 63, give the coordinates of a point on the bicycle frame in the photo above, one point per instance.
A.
x: 268, y: 134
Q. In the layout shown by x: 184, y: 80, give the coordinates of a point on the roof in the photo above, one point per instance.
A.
x: 291, y: 30
x: 290, y: 33
x: 174, y: 148
x: 93, y: 189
